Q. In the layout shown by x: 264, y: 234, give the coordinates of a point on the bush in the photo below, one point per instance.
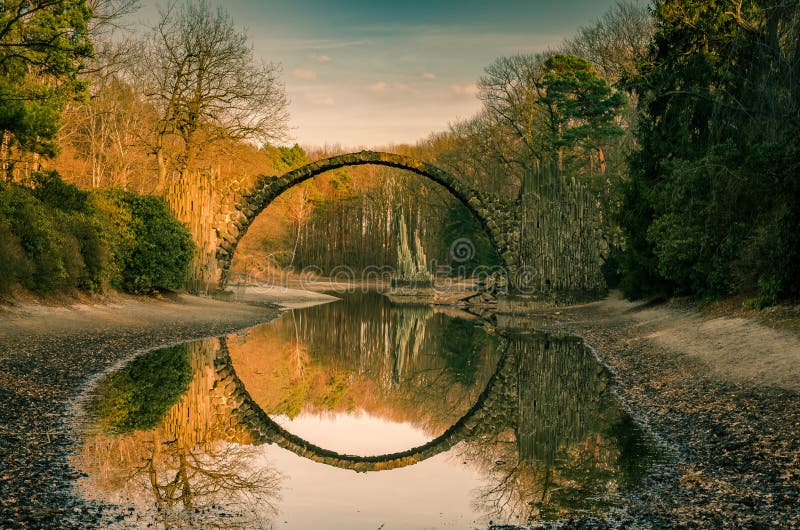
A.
x: 162, y: 249
x: 48, y: 187
x: 88, y: 232
x: 53, y: 254
x: 117, y: 236
x: 152, y: 249
x: 12, y: 259
x: 55, y: 238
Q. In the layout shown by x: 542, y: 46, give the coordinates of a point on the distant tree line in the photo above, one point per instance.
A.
x: 681, y: 118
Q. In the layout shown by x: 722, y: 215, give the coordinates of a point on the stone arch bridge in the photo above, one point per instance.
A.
x: 542, y: 252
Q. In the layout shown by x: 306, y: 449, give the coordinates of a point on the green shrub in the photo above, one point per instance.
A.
x: 162, y: 250
x: 88, y: 232
x: 56, y: 237
x: 13, y: 262
x: 152, y: 249
x: 768, y: 293
x: 48, y: 187
x: 53, y: 255
x: 117, y: 236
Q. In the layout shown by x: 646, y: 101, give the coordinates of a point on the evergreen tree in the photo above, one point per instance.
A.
x: 43, y: 44
x: 712, y: 204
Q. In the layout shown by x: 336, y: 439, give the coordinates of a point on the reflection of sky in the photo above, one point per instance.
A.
x: 357, y: 433
x: 361, y: 72
x: 435, y: 493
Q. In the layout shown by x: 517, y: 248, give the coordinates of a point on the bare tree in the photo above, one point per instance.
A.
x: 108, y: 131
x: 616, y: 42
x: 110, y: 33
x: 197, y: 68
x: 108, y: 15
x: 513, y: 94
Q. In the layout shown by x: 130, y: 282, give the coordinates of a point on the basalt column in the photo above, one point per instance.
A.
x: 193, y: 199
x: 561, y: 242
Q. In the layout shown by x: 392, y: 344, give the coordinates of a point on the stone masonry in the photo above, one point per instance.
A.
x: 527, y: 260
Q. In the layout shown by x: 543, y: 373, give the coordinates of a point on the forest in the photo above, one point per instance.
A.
x: 681, y: 119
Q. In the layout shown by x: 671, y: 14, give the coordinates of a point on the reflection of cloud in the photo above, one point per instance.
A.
x: 428, y: 76
x: 382, y: 87
x: 321, y: 58
x: 306, y: 74
x: 469, y: 89
x: 326, y: 101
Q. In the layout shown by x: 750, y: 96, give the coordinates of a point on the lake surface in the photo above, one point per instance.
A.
x: 360, y: 414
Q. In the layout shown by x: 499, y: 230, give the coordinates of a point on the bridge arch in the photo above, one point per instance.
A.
x: 495, y: 217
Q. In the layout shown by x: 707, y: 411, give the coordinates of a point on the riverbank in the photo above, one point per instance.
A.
x: 47, y: 353
x: 720, y: 389
x: 722, y: 394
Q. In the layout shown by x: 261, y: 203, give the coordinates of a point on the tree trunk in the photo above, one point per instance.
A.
x: 4, y: 149
x: 162, y: 171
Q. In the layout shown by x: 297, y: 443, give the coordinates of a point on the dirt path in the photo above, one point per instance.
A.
x: 738, y: 350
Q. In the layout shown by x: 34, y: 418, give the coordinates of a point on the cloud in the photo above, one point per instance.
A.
x: 321, y: 58
x: 326, y: 101
x: 318, y: 44
x: 382, y: 87
x: 379, y: 88
x: 467, y: 90
x: 306, y: 74
x: 429, y: 76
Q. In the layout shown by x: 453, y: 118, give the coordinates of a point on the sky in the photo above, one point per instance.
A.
x: 365, y: 73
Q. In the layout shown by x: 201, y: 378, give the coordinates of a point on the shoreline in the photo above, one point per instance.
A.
x: 730, y: 419
x: 726, y: 405
x: 47, y: 355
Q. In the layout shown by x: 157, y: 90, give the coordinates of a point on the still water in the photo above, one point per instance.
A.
x: 360, y: 414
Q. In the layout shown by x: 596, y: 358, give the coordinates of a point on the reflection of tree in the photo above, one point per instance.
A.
x: 138, y: 396
x: 461, y: 344
x: 409, y: 328
x: 560, y: 387
x: 404, y: 363
x: 190, y: 469
x: 568, y: 447
x: 545, y: 432
x: 583, y: 477
x: 216, y: 486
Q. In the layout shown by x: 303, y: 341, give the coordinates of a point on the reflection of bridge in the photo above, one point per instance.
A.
x: 555, y: 409
x: 248, y: 419
x: 542, y: 432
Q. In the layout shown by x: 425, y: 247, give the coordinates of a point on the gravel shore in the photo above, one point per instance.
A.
x: 734, y: 437
x: 729, y: 413
x: 46, y: 356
